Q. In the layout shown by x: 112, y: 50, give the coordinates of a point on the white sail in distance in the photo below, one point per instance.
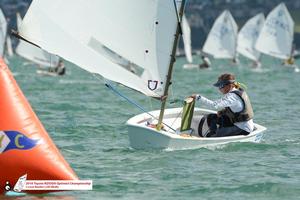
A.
x: 276, y: 37
x: 222, y: 38
x: 248, y: 35
x: 140, y: 31
x: 33, y: 53
x: 186, y: 35
x: 3, y: 32
x: 9, y: 49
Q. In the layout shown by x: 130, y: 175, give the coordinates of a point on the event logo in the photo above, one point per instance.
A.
x: 7, y: 186
x: 18, y: 186
x: 280, y: 13
x: 10, y: 140
x: 23, y: 185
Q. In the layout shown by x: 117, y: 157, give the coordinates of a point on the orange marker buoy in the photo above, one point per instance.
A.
x: 25, y: 146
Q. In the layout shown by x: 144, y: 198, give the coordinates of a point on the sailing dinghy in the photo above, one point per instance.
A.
x: 5, y: 43
x: 36, y: 55
x: 247, y: 38
x: 221, y: 41
x: 277, y: 34
x: 144, y: 32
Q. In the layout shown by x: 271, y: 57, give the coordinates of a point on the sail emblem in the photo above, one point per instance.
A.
x: 225, y: 19
x: 280, y: 13
x: 258, y: 22
x: 224, y: 30
x: 152, y: 85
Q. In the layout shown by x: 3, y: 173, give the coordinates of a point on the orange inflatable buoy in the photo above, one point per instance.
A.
x: 25, y: 146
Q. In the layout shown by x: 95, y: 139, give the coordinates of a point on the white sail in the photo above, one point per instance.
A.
x: 3, y: 31
x: 20, y: 184
x: 222, y: 38
x: 33, y: 53
x: 248, y: 35
x: 140, y: 31
x: 9, y: 49
x: 277, y: 34
x: 186, y: 35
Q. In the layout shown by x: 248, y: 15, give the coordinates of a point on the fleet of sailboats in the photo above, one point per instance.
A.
x: 273, y: 37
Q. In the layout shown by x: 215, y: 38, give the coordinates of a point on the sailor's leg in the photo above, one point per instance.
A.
x: 229, y: 131
x: 224, y: 121
x: 212, y: 121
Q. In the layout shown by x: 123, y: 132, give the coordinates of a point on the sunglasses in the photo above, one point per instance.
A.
x: 222, y: 86
x: 223, y: 83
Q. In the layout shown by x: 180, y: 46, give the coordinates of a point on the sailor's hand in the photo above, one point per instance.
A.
x: 162, y: 98
x: 219, y: 113
x: 193, y: 96
x: 196, y: 96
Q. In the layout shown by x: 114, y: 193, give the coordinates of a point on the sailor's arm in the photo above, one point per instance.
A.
x: 226, y: 101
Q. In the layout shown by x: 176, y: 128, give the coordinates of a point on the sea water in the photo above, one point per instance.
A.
x: 87, y: 122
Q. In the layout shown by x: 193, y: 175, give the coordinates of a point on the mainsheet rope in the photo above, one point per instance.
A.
x: 131, y: 101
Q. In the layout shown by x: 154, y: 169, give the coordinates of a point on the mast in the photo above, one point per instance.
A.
x: 172, y: 61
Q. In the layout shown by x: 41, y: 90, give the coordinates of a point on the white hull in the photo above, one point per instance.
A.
x: 142, y: 136
x: 190, y: 66
x: 46, y: 73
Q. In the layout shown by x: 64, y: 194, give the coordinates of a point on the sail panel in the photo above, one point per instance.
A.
x: 221, y: 40
x: 142, y: 32
x: 277, y: 34
x: 248, y: 35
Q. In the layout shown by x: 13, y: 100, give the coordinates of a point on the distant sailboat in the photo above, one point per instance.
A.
x: 221, y: 41
x: 5, y: 42
x: 9, y: 48
x: 276, y: 36
x: 187, y: 42
x: 3, y: 32
x: 247, y: 38
x: 143, y: 32
x: 35, y: 54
